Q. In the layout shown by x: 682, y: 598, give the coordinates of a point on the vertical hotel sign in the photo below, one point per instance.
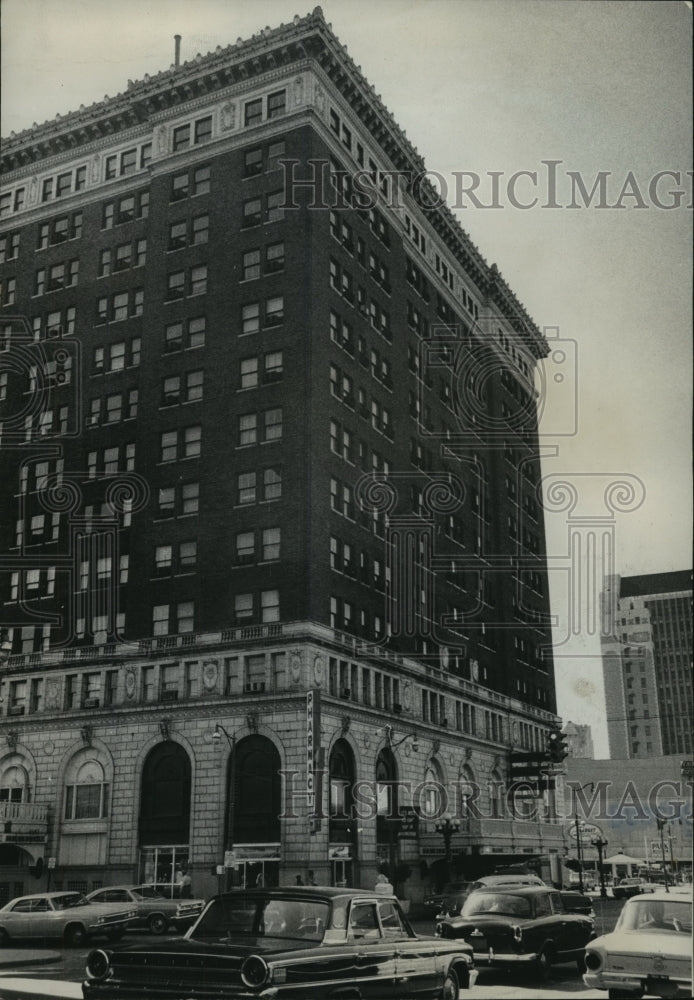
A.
x: 312, y: 747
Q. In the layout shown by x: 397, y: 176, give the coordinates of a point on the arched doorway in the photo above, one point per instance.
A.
x: 342, y: 824
x: 254, y: 798
x: 165, y: 814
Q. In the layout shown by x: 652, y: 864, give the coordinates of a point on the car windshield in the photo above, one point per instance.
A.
x: 650, y: 915
x: 226, y: 918
x: 69, y: 900
x: 496, y: 902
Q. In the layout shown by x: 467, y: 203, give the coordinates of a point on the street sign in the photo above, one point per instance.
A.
x: 587, y: 831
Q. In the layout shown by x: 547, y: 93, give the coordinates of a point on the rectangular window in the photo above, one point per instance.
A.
x: 270, y: 606
x: 249, y: 373
x: 274, y: 310
x: 192, y: 442
x: 160, y: 620
x: 252, y: 212
x: 253, y: 162
x: 272, y: 428
x: 251, y: 265
x: 250, y: 318
x: 128, y: 161
x: 271, y: 544
x: 203, y: 130
x: 248, y: 428
x: 253, y: 112
x: 246, y: 487
x: 181, y: 138
x: 274, y: 258
x: 275, y: 206
x: 201, y: 229
x: 245, y: 547
x: 201, y: 180
x: 276, y: 104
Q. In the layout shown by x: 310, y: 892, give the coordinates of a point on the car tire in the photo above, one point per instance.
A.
x: 158, y: 923
x: 451, y: 988
x: 543, y: 964
x: 74, y: 936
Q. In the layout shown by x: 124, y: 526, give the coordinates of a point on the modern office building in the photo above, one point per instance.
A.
x: 647, y: 663
x: 271, y: 489
x: 579, y: 740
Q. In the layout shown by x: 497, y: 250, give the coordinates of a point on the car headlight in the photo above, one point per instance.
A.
x: 98, y: 964
x: 100, y: 920
x: 517, y: 933
x: 254, y: 971
x: 593, y: 960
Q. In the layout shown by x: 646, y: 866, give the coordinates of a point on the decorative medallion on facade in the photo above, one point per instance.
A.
x: 210, y: 670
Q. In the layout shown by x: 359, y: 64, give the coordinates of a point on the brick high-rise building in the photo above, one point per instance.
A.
x: 270, y: 464
x: 647, y: 663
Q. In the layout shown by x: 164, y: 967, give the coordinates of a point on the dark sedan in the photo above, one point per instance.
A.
x: 522, y: 927
x: 280, y: 943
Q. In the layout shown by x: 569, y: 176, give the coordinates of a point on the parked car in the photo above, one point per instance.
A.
x: 577, y: 902
x: 453, y: 903
x: 649, y: 951
x: 151, y: 909
x: 434, y: 901
x: 65, y: 915
x: 628, y: 887
x: 527, y: 926
x: 299, y: 942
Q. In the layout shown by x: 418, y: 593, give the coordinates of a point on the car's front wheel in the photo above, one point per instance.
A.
x: 75, y: 935
x: 451, y: 987
x: 157, y: 923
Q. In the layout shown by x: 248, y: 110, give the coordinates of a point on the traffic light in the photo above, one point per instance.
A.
x: 557, y: 749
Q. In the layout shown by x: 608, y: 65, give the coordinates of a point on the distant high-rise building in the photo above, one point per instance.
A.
x: 647, y: 663
x: 579, y: 740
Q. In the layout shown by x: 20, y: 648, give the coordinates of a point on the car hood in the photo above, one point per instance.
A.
x: 641, y: 943
x: 234, y: 947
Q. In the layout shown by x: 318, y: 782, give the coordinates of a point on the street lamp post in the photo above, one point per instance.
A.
x: 579, y: 852
x: 447, y: 827
x: 219, y: 731
x: 600, y: 843
x: 661, y: 827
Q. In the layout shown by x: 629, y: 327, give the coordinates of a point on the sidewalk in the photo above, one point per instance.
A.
x: 12, y: 987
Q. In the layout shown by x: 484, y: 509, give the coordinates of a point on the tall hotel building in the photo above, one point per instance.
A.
x: 647, y: 663
x: 271, y: 491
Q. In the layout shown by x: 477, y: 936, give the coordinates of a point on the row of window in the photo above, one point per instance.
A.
x: 342, y: 282
x: 342, y: 231
x: 116, y: 358
x: 62, y: 275
x: 263, y: 159
x: 262, y: 260
x: 261, y: 545
x: 119, y: 306
x: 364, y: 567
x: 120, y: 258
x: 263, y: 208
x: 113, y: 408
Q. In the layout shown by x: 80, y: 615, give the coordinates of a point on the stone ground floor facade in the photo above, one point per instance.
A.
x: 138, y: 764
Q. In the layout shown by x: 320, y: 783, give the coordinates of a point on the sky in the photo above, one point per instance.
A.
x: 486, y: 89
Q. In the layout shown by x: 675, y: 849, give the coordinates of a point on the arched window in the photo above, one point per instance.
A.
x: 257, y: 791
x: 495, y: 794
x: 430, y: 803
x: 86, y: 788
x: 165, y: 797
x: 14, y: 783
x: 466, y: 788
x: 342, y: 777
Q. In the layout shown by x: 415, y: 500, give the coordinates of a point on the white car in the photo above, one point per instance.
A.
x: 65, y: 915
x: 648, y: 952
